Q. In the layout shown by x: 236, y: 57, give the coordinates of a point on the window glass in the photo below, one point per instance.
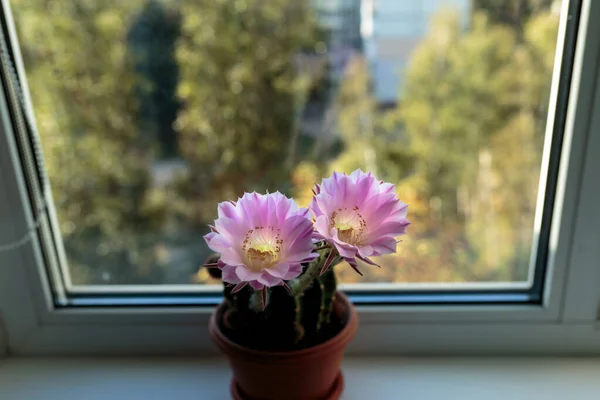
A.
x: 151, y: 111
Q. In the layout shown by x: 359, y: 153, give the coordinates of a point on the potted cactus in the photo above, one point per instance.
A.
x: 283, y: 325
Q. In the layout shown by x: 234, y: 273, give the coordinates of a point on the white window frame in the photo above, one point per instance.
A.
x: 564, y: 324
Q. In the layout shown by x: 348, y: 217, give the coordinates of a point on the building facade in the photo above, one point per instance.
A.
x: 391, y: 30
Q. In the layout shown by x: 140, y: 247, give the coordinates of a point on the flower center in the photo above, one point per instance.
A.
x: 262, y: 247
x: 350, y: 225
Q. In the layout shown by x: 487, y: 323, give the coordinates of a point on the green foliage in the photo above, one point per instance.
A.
x: 372, y: 141
x: 82, y: 79
x: 151, y: 40
x: 512, y: 13
x: 474, y: 111
x: 241, y: 91
x: 225, y: 84
x: 455, y: 96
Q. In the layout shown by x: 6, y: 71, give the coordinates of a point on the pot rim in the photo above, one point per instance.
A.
x: 341, y: 339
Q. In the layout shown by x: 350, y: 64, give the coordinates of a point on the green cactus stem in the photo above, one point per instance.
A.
x: 284, y: 317
x: 259, y: 300
x: 328, y: 285
x: 327, y: 255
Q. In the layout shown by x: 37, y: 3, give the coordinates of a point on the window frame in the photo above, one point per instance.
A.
x: 564, y: 322
x: 3, y: 339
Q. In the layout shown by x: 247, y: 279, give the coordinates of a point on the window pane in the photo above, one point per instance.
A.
x: 152, y: 111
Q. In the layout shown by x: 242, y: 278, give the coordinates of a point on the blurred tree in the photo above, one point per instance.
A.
x: 455, y: 96
x: 370, y: 142
x: 513, y: 13
x: 356, y: 108
x: 463, y: 146
x: 517, y: 147
x: 82, y: 79
x: 243, y: 93
x: 474, y: 110
x: 151, y: 41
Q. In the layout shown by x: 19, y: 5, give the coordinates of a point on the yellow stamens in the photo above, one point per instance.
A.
x: 350, y: 225
x: 262, y: 247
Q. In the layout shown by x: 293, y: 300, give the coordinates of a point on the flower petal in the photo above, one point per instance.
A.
x: 390, y: 228
x: 346, y: 250
x: 231, y: 229
x: 245, y: 274
x: 229, y: 274
x: 279, y: 271
x: 356, y: 174
x: 231, y: 257
x: 217, y: 242
x: 384, y: 245
x: 294, y: 271
x: 227, y: 209
x: 322, y: 226
x: 239, y: 287
x: 365, y: 251
x: 352, y: 263
x: 256, y: 285
x: 296, y: 228
x: 268, y: 279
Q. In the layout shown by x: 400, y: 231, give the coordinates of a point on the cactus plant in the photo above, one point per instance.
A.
x: 294, y: 318
x: 277, y: 263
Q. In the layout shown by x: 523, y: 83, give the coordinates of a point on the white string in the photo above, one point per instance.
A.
x: 29, y: 125
x: 28, y: 236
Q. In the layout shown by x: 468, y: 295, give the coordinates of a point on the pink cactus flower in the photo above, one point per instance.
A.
x: 359, y: 215
x: 262, y: 239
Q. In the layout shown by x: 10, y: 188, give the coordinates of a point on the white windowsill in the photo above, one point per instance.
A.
x: 366, y: 378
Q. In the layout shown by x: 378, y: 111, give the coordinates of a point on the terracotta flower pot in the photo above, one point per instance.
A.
x: 307, y: 374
